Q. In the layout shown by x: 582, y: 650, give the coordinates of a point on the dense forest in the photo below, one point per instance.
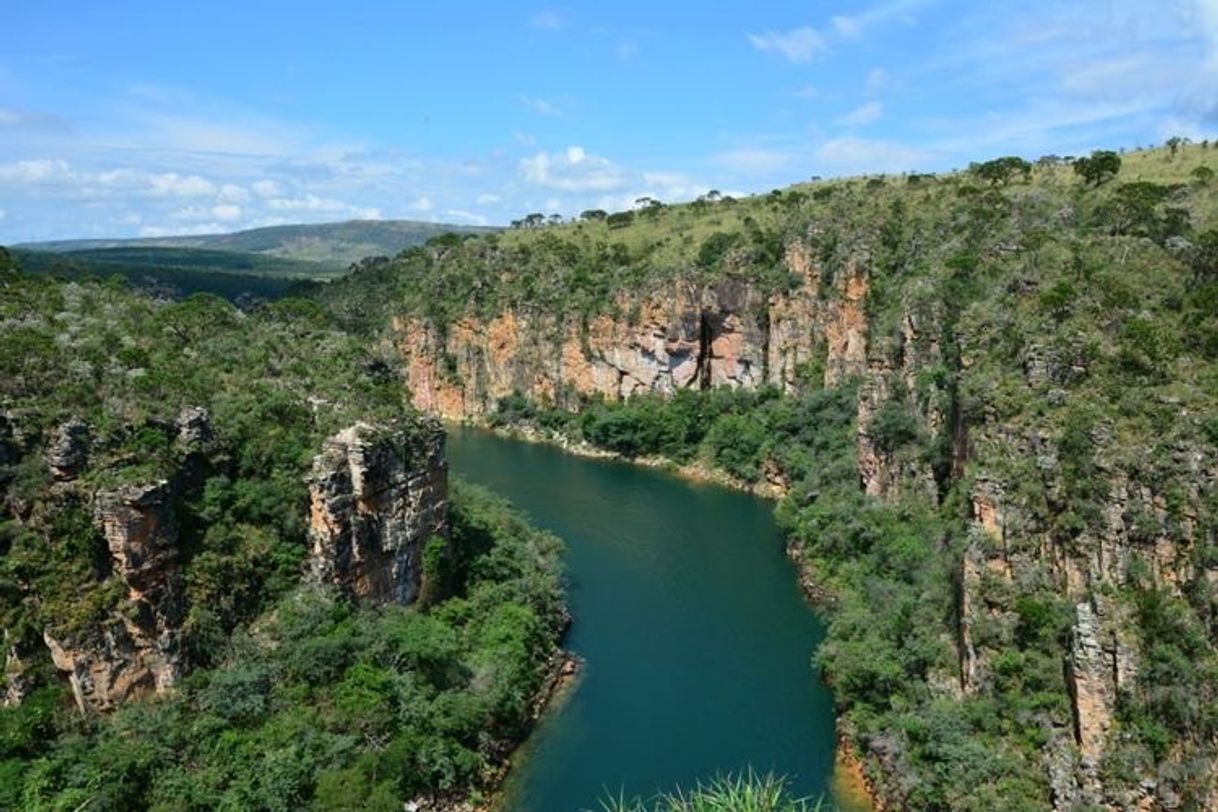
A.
x: 154, y: 520
x: 1006, y: 502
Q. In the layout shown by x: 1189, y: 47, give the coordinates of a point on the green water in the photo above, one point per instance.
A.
x: 696, y: 640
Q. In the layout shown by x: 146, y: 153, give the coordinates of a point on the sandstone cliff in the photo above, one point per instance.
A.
x: 134, y: 650
x: 378, y: 494
x: 685, y: 336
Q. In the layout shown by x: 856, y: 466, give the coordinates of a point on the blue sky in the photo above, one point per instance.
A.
x: 145, y: 119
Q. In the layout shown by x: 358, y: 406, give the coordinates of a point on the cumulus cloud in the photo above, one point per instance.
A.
x: 267, y: 188
x: 422, y: 203
x: 172, y: 184
x: 38, y: 171
x: 799, y: 45
x: 573, y: 171
x: 860, y: 116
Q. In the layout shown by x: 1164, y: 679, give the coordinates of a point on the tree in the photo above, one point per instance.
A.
x: 593, y: 214
x: 1174, y: 143
x: 620, y: 219
x: 1000, y: 171
x: 1203, y: 175
x: 8, y: 264
x: 1104, y: 164
x: 1203, y: 258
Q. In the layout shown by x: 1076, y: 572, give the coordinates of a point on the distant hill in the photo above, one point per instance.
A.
x: 179, y: 272
x: 333, y: 246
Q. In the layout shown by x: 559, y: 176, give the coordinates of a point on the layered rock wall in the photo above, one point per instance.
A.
x: 134, y: 649
x: 687, y: 336
x: 377, y: 495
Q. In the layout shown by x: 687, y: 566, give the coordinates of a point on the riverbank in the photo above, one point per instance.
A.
x: 772, y: 488
x: 561, y: 675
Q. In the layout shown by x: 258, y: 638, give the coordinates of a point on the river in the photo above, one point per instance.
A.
x: 697, y: 643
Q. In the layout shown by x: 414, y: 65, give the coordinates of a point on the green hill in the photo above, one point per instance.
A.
x: 333, y: 245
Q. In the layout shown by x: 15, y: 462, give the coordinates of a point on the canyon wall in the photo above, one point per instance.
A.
x: 909, y: 370
x: 686, y: 336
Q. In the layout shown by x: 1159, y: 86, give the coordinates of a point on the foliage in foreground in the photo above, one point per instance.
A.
x: 321, y: 705
x: 739, y: 793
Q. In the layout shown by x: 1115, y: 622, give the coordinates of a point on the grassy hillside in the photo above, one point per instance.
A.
x: 1024, y: 606
x: 332, y: 245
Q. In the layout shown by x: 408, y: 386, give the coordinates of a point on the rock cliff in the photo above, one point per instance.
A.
x: 134, y: 649
x: 685, y: 336
x: 377, y: 495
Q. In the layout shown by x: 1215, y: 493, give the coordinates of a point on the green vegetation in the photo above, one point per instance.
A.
x: 295, y: 697
x: 749, y: 793
x: 320, y: 705
x: 1066, y: 349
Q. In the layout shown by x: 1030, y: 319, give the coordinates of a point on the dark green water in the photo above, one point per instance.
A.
x: 696, y: 640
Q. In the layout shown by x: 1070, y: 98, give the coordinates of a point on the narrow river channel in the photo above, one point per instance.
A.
x: 696, y: 640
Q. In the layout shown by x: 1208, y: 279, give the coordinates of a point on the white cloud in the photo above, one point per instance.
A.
x: 233, y: 193
x: 627, y: 50
x: 268, y: 188
x: 751, y: 160
x: 852, y: 154
x: 42, y: 170
x: 226, y: 212
x: 799, y: 45
x: 540, y: 106
x: 487, y: 199
x: 854, y: 26
x: 573, y: 171
x: 422, y: 203
x: 869, y: 113
x: 3, y: 214
x: 171, y: 184
x: 547, y: 20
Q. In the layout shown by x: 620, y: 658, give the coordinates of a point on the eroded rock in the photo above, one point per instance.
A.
x: 134, y: 650
x: 377, y: 495
x: 68, y: 450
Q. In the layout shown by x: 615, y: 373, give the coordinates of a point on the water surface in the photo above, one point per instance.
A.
x: 696, y: 641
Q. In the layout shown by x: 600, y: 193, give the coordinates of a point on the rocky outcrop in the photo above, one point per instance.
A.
x: 68, y: 449
x: 377, y: 495
x: 193, y: 431
x: 1102, y: 661
x: 893, y: 380
x: 134, y: 650
x: 686, y: 336
x: 14, y: 674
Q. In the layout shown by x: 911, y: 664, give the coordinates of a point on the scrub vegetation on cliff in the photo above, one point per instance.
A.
x: 165, y: 645
x: 991, y: 397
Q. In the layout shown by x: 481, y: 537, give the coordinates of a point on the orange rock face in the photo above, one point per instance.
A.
x: 728, y: 334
